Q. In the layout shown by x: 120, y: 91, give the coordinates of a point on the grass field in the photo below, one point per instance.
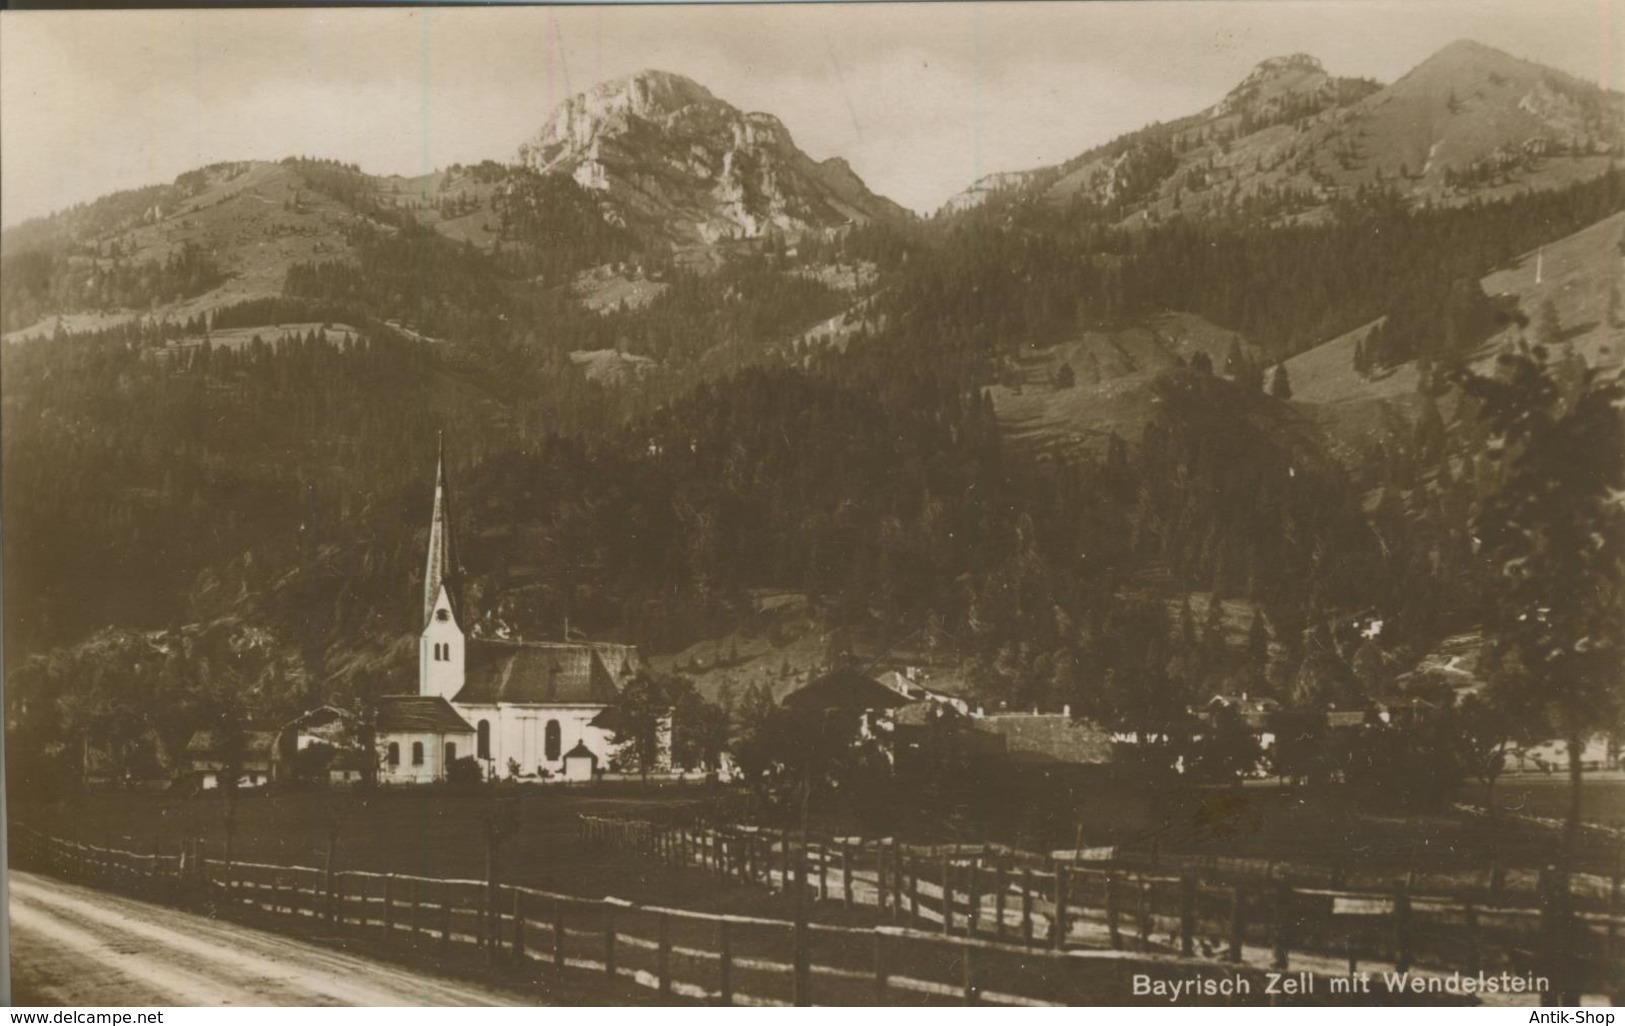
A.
x: 438, y: 833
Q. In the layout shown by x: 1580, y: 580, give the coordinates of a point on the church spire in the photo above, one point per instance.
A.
x: 441, y: 570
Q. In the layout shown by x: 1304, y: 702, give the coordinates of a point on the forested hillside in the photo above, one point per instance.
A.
x: 240, y: 489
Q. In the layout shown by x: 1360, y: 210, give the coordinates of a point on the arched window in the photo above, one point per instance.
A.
x: 484, y: 749
x: 394, y: 754
x: 417, y: 753
x: 551, y: 741
x: 451, y: 753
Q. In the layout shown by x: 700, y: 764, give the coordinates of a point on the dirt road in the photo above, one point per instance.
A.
x: 72, y: 945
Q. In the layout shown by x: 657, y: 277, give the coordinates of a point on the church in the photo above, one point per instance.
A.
x: 535, y: 709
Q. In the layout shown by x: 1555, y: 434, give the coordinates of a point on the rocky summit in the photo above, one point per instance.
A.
x: 666, y: 154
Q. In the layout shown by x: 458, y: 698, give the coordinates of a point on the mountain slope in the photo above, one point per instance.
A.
x: 669, y: 156
x: 1470, y: 122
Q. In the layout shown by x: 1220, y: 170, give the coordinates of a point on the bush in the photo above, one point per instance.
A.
x: 465, y: 773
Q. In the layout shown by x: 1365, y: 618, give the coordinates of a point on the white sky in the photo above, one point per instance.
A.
x: 921, y: 98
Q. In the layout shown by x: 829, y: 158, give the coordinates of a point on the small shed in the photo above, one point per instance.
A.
x: 580, y: 763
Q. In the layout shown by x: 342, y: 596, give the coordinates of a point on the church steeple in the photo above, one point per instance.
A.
x: 441, y: 640
x: 442, y: 570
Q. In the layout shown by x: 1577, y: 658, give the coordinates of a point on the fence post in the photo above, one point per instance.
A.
x: 389, y: 905
x: 846, y: 875
x: 1402, y: 926
x: 1238, y: 911
x: 1060, y: 925
x: 880, y: 967
x: 896, y: 882
x: 1187, y: 914
x: 1611, y: 948
x: 1000, y: 886
x: 784, y: 860
x: 445, y: 916
x: 1112, y: 930
x: 913, y: 867
x: 802, y: 982
x: 663, y: 954
x: 336, y: 899
x: 558, y: 939
x: 1283, y: 908
x: 973, y: 896
x: 1027, y: 906
x: 725, y: 964
x: 609, y: 940
x: 1470, y: 915
x: 969, y: 954
x: 1142, y: 911
x: 417, y: 910
x: 518, y: 927
x: 947, y: 897
x: 1557, y: 930
x: 823, y: 873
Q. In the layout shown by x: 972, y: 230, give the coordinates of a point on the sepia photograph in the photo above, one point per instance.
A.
x: 929, y: 504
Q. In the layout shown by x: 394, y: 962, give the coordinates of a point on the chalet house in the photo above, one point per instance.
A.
x: 208, y: 757
x: 910, y: 683
x: 322, y: 744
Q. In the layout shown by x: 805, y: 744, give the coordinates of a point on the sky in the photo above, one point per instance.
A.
x: 920, y: 98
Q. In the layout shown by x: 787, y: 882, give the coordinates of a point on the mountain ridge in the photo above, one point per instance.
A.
x: 1288, y: 140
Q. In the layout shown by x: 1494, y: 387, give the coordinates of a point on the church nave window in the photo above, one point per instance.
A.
x: 394, y: 754
x: 417, y: 753
x: 484, y: 749
x: 551, y: 742
x: 451, y: 753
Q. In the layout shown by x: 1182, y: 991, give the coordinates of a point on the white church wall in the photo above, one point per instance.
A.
x: 519, y: 732
x: 434, y: 756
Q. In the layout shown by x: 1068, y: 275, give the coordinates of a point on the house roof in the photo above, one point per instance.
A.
x: 918, y: 714
x: 257, y: 744
x: 535, y: 673
x: 845, y: 689
x: 419, y: 714
x: 1049, y: 737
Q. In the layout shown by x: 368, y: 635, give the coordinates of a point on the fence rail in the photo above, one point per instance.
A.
x: 917, y: 959
x: 1565, y: 929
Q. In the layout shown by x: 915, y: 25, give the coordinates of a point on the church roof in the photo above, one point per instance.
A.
x: 419, y: 714
x: 441, y: 568
x: 535, y: 673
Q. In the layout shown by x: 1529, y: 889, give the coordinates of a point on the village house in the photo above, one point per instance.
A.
x: 207, y: 759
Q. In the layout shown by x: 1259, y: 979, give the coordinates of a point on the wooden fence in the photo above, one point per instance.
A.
x: 680, y: 954
x: 1565, y: 930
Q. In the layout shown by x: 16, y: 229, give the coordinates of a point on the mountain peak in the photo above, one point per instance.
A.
x: 1277, y: 82
x: 1471, y: 48
x: 1288, y: 62
x: 670, y: 155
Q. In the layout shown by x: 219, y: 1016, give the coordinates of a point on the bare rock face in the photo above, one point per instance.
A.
x: 1278, y: 86
x: 668, y: 155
